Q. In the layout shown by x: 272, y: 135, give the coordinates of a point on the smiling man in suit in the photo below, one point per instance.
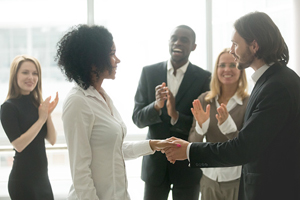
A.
x: 268, y: 145
x: 163, y: 102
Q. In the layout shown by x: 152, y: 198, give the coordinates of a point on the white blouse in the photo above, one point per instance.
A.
x: 94, y: 132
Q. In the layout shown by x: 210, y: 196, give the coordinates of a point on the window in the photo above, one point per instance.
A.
x: 34, y: 27
x: 141, y: 31
x: 224, y: 14
x: 35, y: 30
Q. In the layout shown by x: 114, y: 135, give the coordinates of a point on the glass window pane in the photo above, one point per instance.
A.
x: 226, y: 12
x: 35, y: 30
x: 34, y: 27
x: 141, y: 31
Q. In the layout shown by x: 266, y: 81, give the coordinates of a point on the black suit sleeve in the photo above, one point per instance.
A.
x: 185, y: 121
x: 144, y: 113
x: 269, y: 124
x: 206, y: 85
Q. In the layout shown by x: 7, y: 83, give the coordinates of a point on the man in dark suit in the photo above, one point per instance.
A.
x: 163, y: 102
x: 268, y: 145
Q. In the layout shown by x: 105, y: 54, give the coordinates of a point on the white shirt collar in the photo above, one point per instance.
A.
x: 91, y: 91
x: 183, y: 68
x: 258, y: 73
x: 234, y: 98
x: 237, y: 99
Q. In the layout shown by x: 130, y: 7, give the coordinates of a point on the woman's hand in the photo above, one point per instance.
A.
x: 161, y: 145
x: 223, y: 114
x: 43, y: 110
x: 53, y: 104
x: 199, y: 113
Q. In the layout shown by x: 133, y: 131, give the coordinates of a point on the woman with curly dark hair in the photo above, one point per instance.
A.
x: 93, y: 127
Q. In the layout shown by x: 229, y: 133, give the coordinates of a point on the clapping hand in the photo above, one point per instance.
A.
x: 53, y: 104
x: 171, y: 106
x: 200, y: 115
x: 223, y: 114
x: 160, y: 96
x: 43, y: 109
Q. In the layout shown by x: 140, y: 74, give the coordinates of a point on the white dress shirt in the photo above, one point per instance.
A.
x: 258, y: 73
x: 174, y: 82
x: 94, y: 134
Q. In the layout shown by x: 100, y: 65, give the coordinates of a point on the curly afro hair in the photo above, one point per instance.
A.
x: 82, y: 48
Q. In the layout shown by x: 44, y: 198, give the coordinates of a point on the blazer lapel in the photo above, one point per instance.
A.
x: 163, y: 74
x: 186, y: 83
x: 256, y: 89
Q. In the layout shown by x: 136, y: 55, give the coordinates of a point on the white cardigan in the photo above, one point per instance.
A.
x: 94, y: 134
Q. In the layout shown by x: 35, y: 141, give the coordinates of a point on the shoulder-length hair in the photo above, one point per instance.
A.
x: 14, y: 90
x: 259, y: 26
x: 215, y: 84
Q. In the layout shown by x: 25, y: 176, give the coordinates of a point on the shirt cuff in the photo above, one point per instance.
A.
x: 143, y: 147
x: 188, y: 151
x: 173, y: 121
x: 203, y: 130
x: 228, y: 126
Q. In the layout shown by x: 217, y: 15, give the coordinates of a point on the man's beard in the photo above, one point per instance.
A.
x: 245, y: 65
x: 248, y: 57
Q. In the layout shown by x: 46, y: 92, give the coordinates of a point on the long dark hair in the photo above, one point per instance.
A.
x: 259, y: 26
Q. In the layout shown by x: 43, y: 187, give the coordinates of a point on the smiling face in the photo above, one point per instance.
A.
x: 181, y: 43
x: 227, y: 72
x: 241, y: 51
x: 27, y: 77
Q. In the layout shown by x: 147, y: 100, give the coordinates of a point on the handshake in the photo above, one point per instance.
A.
x: 174, y: 148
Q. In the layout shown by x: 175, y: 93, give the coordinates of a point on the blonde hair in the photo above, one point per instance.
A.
x: 215, y: 85
x: 14, y: 90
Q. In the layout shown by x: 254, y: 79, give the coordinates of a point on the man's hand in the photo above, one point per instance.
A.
x: 223, y: 114
x: 171, y: 106
x: 199, y: 113
x: 178, y: 153
x: 160, y: 96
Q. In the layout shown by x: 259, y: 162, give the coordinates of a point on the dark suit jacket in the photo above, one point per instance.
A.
x: 195, y: 82
x: 268, y: 145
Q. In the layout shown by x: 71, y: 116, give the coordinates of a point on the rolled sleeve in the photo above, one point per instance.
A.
x: 228, y: 126
x: 204, y: 128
